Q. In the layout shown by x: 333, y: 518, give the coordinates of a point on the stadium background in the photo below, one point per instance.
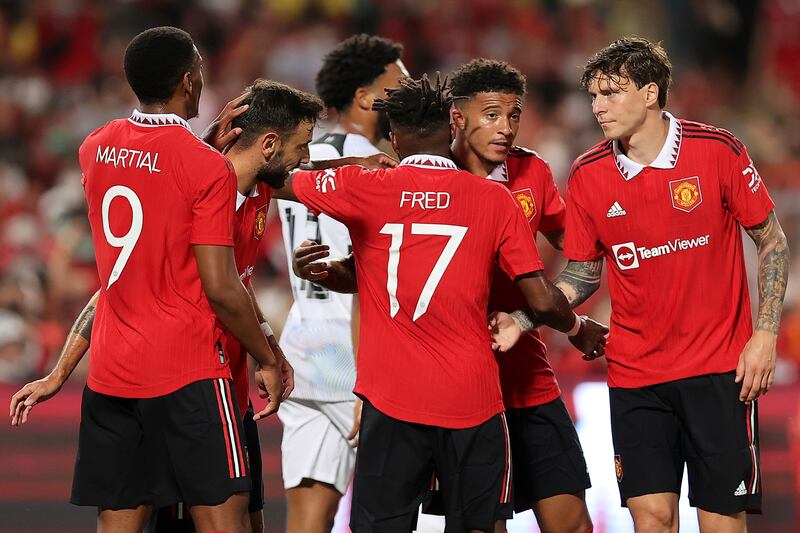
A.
x: 737, y: 65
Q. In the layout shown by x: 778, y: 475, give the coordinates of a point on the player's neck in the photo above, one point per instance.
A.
x: 165, y: 108
x: 468, y: 160
x: 352, y: 121
x: 245, y: 175
x: 644, y: 145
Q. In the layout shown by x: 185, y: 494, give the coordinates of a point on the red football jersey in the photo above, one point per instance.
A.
x: 525, y: 373
x: 154, y: 190
x: 425, y: 238
x: 249, y: 227
x: 671, y: 234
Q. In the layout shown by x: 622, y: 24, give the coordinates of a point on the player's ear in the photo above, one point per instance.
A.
x: 393, y: 140
x: 186, y: 82
x: 651, y: 94
x: 457, y: 117
x: 270, y: 144
x: 364, y: 99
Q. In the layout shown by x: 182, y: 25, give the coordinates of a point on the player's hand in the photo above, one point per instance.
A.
x: 506, y: 331
x: 287, y: 376
x: 590, y: 339
x: 352, y: 437
x: 31, y: 394
x: 303, y: 261
x: 380, y: 160
x: 219, y: 133
x: 756, y: 368
x: 270, y: 388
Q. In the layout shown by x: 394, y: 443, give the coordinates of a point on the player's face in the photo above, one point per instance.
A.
x: 490, y: 123
x: 292, y: 153
x: 390, y: 78
x: 619, y: 107
x: 196, y: 77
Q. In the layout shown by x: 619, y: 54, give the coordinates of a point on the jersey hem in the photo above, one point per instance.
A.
x: 161, y: 389
x: 638, y: 384
x: 533, y: 400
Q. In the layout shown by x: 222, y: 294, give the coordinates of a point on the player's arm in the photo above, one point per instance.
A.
x: 232, y: 305
x: 379, y: 160
x: 756, y: 368
x: 287, y: 372
x: 337, y: 275
x: 555, y: 238
x: 549, y: 306
x: 76, y: 345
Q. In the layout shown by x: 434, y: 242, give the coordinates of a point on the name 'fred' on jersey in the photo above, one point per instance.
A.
x: 425, y: 239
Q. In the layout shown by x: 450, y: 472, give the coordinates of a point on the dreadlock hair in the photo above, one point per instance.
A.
x: 274, y: 106
x: 417, y: 106
x: 355, y: 62
x: 486, y: 76
x: 635, y: 58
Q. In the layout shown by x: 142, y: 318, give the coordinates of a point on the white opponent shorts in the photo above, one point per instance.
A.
x: 314, y: 444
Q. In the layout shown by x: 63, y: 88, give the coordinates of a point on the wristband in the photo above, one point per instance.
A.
x: 267, y: 330
x: 577, y: 327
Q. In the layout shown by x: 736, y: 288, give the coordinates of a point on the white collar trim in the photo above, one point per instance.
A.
x: 434, y: 162
x: 240, y: 198
x: 152, y: 120
x: 667, y: 157
x: 499, y: 173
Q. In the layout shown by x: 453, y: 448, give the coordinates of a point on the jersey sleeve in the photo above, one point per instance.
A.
x: 327, y: 191
x: 743, y: 192
x: 581, y: 242
x: 214, y: 201
x: 554, y: 210
x: 517, y: 252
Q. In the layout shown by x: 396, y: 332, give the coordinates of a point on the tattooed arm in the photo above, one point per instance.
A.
x: 76, y: 345
x: 756, y: 368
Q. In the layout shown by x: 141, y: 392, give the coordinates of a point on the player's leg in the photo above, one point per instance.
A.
x: 317, y: 461
x: 392, y: 475
x: 550, y: 474
x: 473, y: 468
x: 648, y: 457
x: 721, y: 439
x: 111, y: 467
x: 196, y: 436
x: 255, y: 507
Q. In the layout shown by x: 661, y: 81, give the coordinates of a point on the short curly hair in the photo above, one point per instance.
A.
x: 156, y: 61
x: 486, y: 76
x: 355, y: 62
x: 635, y: 58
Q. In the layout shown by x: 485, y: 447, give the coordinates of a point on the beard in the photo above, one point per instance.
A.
x: 384, y: 128
x: 273, y: 173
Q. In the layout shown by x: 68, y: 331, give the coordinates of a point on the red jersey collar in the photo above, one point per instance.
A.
x: 152, y: 120
x: 434, y: 162
x: 667, y: 158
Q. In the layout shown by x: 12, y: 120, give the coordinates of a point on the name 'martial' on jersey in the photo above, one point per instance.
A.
x: 128, y: 158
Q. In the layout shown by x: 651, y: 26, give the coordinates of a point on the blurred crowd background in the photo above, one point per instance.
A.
x: 736, y: 65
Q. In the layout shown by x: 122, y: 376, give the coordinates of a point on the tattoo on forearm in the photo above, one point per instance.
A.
x: 524, y: 317
x: 773, y: 271
x: 579, y: 280
x: 83, y: 325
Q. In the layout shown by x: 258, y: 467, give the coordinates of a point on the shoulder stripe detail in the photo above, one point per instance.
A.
x: 594, y: 150
x: 521, y: 151
x: 719, y: 138
x: 595, y: 157
x: 709, y: 129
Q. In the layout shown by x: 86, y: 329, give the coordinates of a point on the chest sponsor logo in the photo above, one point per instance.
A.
x: 627, y: 255
x: 526, y: 202
x: 260, y: 224
x: 686, y: 193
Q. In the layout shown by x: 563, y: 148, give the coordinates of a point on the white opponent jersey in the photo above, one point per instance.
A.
x: 317, y: 337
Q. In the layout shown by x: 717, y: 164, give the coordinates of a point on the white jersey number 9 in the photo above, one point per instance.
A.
x: 127, y: 241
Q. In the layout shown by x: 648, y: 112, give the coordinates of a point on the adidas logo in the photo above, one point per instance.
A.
x: 741, y: 491
x: 616, y: 211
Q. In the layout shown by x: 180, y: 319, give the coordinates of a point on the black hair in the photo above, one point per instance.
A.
x: 634, y: 58
x: 274, y: 106
x: 355, y: 62
x: 486, y: 76
x: 417, y: 106
x: 155, y: 62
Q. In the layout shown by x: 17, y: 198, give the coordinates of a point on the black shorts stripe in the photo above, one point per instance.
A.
x: 714, y: 137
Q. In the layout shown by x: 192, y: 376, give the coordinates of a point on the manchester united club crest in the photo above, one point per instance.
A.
x: 261, y: 222
x: 618, y: 467
x: 525, y: 199
x: 686, y: 194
